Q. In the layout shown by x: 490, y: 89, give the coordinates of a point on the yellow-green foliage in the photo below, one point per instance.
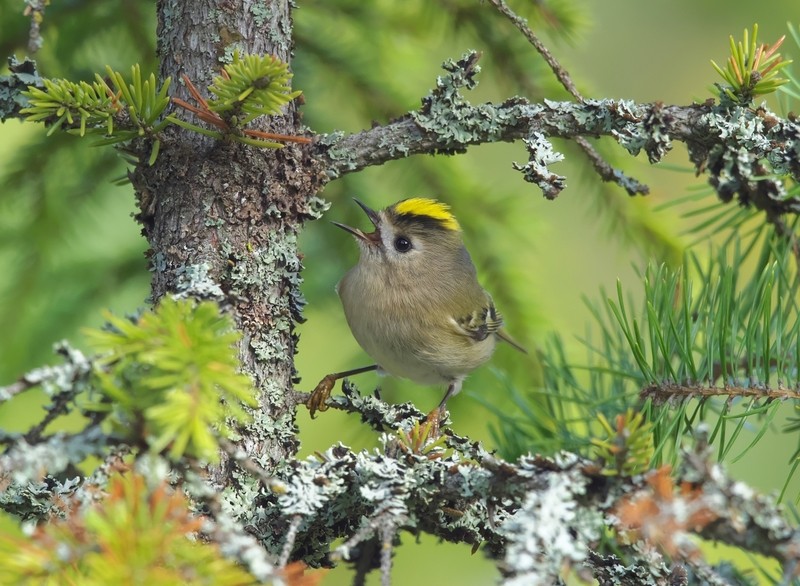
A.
x: 63, y: 101
x: 172, y: 377
x: 136, y: 103
x: 628, y: 446
x: 252, y: 86
x: 133, y: 536
x: 751, y: 69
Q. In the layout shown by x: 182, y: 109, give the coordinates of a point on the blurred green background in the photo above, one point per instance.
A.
x: 69, y: 247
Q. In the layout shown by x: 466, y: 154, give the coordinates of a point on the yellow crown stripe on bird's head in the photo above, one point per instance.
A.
x: 422, y: 206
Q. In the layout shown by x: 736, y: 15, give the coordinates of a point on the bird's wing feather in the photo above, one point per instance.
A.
x: 479, y: 324
x: 482, y: 323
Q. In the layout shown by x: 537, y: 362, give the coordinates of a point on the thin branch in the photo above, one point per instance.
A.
x: 376, y: 413
x: 661, y: 393
x: 519, y: 22
x: 608, y: 173
x: 61, y: 404
x: 386, y: 534
x: 743, y: 518
x: 35, y: 10
x: 23, y: 384
x: 648, y: 127
x: 54, y: 379
x: 54, y: 454
x: 239, y: 456
x: 601, y: 166
x: 289, y: 540
x: 207, y: 115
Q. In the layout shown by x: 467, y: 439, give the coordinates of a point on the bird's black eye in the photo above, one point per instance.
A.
x: 402, y: 244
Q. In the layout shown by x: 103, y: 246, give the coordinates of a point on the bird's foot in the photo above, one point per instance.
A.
x: 318, y: 401
x: 433, y: 421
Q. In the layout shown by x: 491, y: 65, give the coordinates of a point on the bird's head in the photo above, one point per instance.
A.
x: 415, y: 233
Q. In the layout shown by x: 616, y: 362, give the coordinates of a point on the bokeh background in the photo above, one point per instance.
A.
x: 69, y: 247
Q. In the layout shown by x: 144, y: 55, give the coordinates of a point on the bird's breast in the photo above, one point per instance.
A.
x: 408, y: 331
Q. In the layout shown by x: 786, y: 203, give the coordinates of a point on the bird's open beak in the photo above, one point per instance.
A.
x: 371, y: 237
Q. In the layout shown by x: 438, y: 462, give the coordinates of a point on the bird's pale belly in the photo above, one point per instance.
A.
x: 423, y: 359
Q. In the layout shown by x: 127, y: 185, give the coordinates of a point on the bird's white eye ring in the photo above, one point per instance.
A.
x: 402, y: 244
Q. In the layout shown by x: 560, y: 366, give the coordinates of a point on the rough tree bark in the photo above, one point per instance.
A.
x: 222, y: 219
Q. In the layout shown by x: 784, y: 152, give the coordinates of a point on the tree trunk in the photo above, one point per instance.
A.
x: 222, y: 218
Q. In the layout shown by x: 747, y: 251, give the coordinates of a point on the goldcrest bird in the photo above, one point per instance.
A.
x: 413, y: 301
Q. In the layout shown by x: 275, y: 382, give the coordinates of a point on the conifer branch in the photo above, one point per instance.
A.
x: 248, y: 87
x: 661, y: 393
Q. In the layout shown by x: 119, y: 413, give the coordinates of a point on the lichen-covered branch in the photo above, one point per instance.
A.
x: 68, y: 378
x: 534, y: 515
x: 744, y: 151
x: 601, y: 166
x: 731, y: 146
x: 703, y: 501
x: 608, y: 173
x: 741, y: 517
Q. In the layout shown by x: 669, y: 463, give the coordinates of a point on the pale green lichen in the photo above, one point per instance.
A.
x: 261, y: 11
x: 343, y: 159
x: 549, y: 531
x: 36, y: 500
x: 631, y: 124
x: 195, y: 281
x: 455, y: 122
x: 316, y: 208
x: 394, y: 147
x: 278, y: 430
x: 24, y: 463
x: 305, y: 494
x: 158, y: 262
x: 378, y: 413
x: 227, y: 528
x: 536, y: 169
x: 23, y: 74
x: 273, y: 269
x: 737, y: 162
x: 235, y: 543
x: 230, y: 50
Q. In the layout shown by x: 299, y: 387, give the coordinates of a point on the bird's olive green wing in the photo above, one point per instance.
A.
x: 481, y: 323
x: 484, y: 322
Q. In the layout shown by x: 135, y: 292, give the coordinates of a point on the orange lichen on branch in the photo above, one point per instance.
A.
x: 295, y: 575
x: 664, y: 515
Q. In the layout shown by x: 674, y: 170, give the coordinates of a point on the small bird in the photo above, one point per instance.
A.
x: 413, y: 301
